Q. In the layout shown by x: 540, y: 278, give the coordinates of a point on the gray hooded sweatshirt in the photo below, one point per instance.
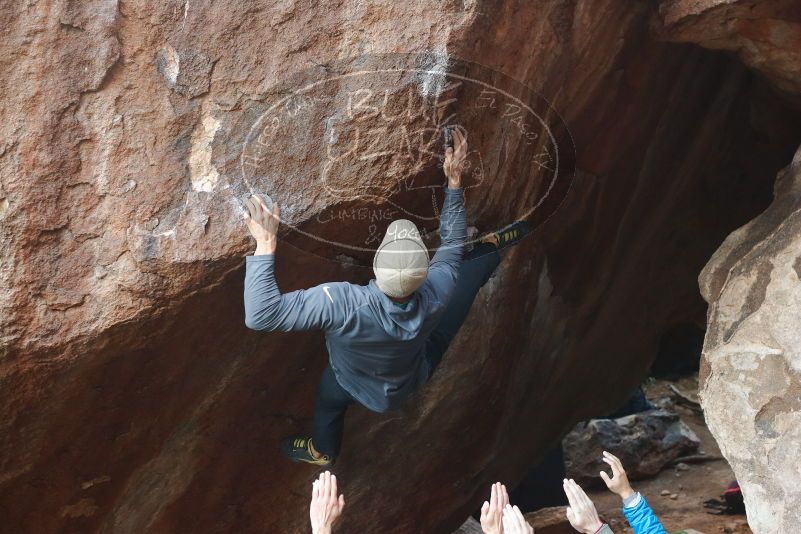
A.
x: 376, y: 347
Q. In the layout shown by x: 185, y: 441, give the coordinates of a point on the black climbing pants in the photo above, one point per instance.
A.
x: 332, y: 400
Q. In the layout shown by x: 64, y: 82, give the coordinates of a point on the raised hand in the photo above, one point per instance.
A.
x: 492, y: 510
x: 514, y: 522
x: 325, y: 507
x: 454, y: 158
x: 263, y: 224
x: 581, y: 513
x: 619, y: 482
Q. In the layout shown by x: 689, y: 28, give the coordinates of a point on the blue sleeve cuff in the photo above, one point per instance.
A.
x: 260, y: 258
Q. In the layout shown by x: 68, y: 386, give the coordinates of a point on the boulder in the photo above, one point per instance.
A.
x: 645, y: 442
x: 751, y: 367
x: 132, y: 397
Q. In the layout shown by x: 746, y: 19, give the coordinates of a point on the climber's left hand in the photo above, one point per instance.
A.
x: 263, y: 224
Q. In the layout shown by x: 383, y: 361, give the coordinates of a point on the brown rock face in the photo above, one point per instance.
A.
x: 133, y: 399
x: 765, y: 34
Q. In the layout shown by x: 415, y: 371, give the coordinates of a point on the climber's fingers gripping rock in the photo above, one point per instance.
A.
x: 262, y: 222
x: 455, y: 158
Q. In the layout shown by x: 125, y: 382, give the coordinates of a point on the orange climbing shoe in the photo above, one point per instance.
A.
x: 298, y: 449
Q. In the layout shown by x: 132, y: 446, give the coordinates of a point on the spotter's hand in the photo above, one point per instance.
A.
x: 325, y: 506
x: 492, y: 510
x: 618, y: 483
x: 581, y: 513
x: 514, y: 522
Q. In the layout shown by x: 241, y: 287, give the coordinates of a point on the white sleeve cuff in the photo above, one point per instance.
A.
x: 632, y: 500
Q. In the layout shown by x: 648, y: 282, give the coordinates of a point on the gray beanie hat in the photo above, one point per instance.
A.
x: 401, y: 261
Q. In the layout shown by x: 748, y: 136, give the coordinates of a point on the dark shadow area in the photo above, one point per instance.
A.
x: 679, y: 352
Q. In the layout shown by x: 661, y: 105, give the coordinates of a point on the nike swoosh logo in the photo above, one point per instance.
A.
x: 325, y: 289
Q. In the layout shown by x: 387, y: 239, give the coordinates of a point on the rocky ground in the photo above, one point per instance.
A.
x: 682, y: 506
x: 676, y: 494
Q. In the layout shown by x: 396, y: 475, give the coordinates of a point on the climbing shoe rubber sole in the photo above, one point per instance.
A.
x: 512, y: 234
x: 298, y: 449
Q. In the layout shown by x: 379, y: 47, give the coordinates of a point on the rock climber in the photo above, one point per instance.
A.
x: 385, y: 338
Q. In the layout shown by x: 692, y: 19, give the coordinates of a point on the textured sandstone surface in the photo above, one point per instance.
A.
x: 133, y: 399
x: 765, y: 34
x: 752, y: 356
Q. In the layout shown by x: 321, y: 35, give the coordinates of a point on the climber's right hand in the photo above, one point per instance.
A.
x: 263, y: 224
x: 454, y: 159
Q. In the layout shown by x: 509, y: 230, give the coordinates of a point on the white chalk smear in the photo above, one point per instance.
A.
x: 203, y: 173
